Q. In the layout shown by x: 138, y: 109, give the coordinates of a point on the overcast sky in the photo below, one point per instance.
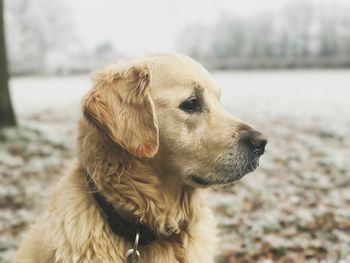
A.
x: 139, y: 27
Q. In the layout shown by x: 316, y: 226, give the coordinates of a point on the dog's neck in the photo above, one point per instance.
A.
x: 132, y: 185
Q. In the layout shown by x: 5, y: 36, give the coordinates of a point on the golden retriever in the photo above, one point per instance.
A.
x: 151, y: 138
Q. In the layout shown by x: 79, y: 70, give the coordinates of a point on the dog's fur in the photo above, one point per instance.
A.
x: 142, y: 152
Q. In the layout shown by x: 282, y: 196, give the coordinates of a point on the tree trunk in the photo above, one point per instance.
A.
x: 7, y: 116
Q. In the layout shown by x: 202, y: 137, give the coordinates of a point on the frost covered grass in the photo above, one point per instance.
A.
x: 294, y: 208
x: 30, y: 164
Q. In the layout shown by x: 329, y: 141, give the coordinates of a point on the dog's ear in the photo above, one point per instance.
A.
x: 120, y: 104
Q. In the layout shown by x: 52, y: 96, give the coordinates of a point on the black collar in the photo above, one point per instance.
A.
x: 117, y: 223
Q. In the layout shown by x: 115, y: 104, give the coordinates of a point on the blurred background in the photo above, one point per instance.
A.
x: 282, y: 65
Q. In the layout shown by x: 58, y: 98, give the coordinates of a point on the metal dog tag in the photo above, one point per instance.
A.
x: 132, y: 256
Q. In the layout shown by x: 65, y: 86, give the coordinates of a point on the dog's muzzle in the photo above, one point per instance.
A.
x: 242, y: 159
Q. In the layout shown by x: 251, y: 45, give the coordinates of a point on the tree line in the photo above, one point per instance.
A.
x: 302, y: 34
x: 42, y: 39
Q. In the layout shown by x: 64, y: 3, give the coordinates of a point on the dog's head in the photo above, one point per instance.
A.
x: 166, y: 109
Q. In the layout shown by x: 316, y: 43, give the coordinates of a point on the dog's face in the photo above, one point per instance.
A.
x: 167, y: 108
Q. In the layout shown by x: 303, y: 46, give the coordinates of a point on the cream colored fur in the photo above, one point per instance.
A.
x: 139, y: 148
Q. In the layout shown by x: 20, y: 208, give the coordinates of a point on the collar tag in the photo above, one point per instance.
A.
x: 133, y: 255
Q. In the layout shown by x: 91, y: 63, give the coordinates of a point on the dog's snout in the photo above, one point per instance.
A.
x: 256, y: 141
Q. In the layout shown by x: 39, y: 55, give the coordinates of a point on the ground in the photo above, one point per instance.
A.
x: 294, y: 208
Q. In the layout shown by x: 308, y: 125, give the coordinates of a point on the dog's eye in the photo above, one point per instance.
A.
x: 190, y: 105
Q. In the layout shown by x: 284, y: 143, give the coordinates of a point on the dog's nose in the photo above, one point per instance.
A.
x: 257, y: 142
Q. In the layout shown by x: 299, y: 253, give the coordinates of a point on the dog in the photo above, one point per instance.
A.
x: 152, y: 137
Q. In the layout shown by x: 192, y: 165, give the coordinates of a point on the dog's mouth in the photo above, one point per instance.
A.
x: 229, y: 178
x: 200, y: 180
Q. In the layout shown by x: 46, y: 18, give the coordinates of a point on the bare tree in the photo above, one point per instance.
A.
x: 40, y: 29
x: 7, y: 116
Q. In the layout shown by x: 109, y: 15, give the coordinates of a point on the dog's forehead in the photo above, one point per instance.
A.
x: 169, y: 70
